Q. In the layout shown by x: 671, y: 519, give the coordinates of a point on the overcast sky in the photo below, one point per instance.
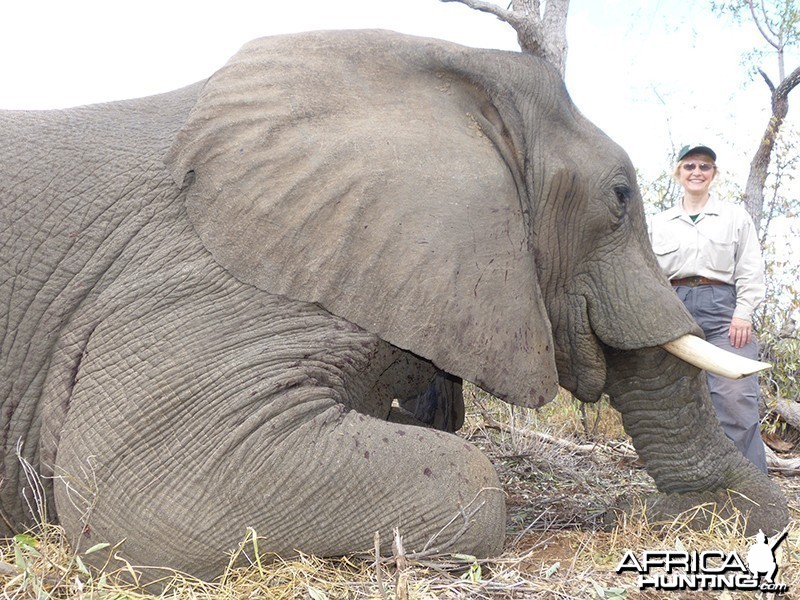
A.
x: 653, y: 74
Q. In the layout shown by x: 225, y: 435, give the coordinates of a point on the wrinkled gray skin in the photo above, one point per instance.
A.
x: 211, y: 297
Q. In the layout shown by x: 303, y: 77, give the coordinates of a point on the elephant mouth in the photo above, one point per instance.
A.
x: 592, y: 331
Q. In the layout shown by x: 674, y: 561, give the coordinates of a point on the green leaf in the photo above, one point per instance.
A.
x: 465, y: 557
x: 19, y: 558
x: 81, y: 567
x: 475, y: 572
x: 609, y: 593
x: 25, y: 540
x: 97, y: 547
x: 24, y: 544
x: 552, y: 569
x: 317, y: 594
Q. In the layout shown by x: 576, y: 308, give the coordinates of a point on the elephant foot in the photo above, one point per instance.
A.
x: 703, y: 511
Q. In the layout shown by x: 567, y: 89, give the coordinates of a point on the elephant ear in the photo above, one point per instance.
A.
x: 358, y: 171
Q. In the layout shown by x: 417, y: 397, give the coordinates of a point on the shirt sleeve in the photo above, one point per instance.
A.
x: 748, y: 270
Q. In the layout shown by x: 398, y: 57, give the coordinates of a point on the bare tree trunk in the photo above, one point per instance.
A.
x: 754, y: 190
x: 541, y: 35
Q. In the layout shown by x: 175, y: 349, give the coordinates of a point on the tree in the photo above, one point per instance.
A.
x: 778, y: 22
x: 541, y: 26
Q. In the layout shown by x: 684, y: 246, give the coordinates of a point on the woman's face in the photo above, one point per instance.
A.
x: 691, y: 175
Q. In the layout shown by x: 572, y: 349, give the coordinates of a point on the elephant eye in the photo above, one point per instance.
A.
x: 623, y: 194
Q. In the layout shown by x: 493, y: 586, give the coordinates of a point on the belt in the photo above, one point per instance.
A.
x: 695, y: 281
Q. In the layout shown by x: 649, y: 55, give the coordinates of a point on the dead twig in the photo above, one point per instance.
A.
x: 466, y: 514
x: 530, y: 526
x: 378, y: 573
x: 401, y: 577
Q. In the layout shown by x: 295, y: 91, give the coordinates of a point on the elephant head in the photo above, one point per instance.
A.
x: 455, y: 203
x: 244, y: 273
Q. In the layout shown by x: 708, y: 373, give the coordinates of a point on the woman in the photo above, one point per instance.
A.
x: 709, y: 250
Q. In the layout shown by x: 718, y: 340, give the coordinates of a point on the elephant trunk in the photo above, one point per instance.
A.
x: 667, y: 411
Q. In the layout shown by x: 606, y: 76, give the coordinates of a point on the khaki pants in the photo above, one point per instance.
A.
x: 735, y: 401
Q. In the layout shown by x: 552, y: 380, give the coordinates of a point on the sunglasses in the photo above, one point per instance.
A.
x: 692, y: 166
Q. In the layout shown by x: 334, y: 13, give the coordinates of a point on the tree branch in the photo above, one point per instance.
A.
x: 768, y: 81
x: 542, y: 37
x: 789, y: 83
x: 501, y: 13
x: 764, y: 34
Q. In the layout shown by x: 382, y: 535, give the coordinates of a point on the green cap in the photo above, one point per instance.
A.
x: 696, y: 149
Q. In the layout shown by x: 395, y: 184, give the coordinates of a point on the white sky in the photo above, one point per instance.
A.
x: 653, y: 74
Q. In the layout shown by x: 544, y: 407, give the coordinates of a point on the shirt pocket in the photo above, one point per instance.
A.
x: 666, y: 251
x: 721, y: 256
x: 664, y: 246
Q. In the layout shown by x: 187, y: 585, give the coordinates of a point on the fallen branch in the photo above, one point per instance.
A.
x: 785, y: 466
x: 490, y: 422
x: 789, y: 410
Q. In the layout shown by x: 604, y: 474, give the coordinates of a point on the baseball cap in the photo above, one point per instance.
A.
x: 696, y: 149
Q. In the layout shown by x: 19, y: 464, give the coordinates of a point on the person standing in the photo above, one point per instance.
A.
x: 709, y: 250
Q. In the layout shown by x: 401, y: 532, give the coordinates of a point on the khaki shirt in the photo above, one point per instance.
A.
x: 722, y: 244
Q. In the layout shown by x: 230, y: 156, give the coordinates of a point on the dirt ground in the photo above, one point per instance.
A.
x: 558, y: 493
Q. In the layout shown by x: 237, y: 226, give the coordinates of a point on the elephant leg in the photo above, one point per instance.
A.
x: 440, y: 405
x: 443, y: 494
x: 324, y: 488
x: 183, y: 432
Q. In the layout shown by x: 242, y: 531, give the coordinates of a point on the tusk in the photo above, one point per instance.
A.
x: 708, y: 357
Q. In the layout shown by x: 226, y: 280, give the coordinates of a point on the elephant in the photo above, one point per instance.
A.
x: 214, y: 297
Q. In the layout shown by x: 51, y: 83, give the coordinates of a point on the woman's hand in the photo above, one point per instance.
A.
x: 740, y: 333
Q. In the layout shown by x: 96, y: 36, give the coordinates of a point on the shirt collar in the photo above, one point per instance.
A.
x: 712, y: 207
x: 674, y: 212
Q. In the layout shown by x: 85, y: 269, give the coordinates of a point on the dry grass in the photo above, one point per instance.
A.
x: 558, y: 486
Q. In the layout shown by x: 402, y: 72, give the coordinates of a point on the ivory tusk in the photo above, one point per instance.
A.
x: 708, y: 357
